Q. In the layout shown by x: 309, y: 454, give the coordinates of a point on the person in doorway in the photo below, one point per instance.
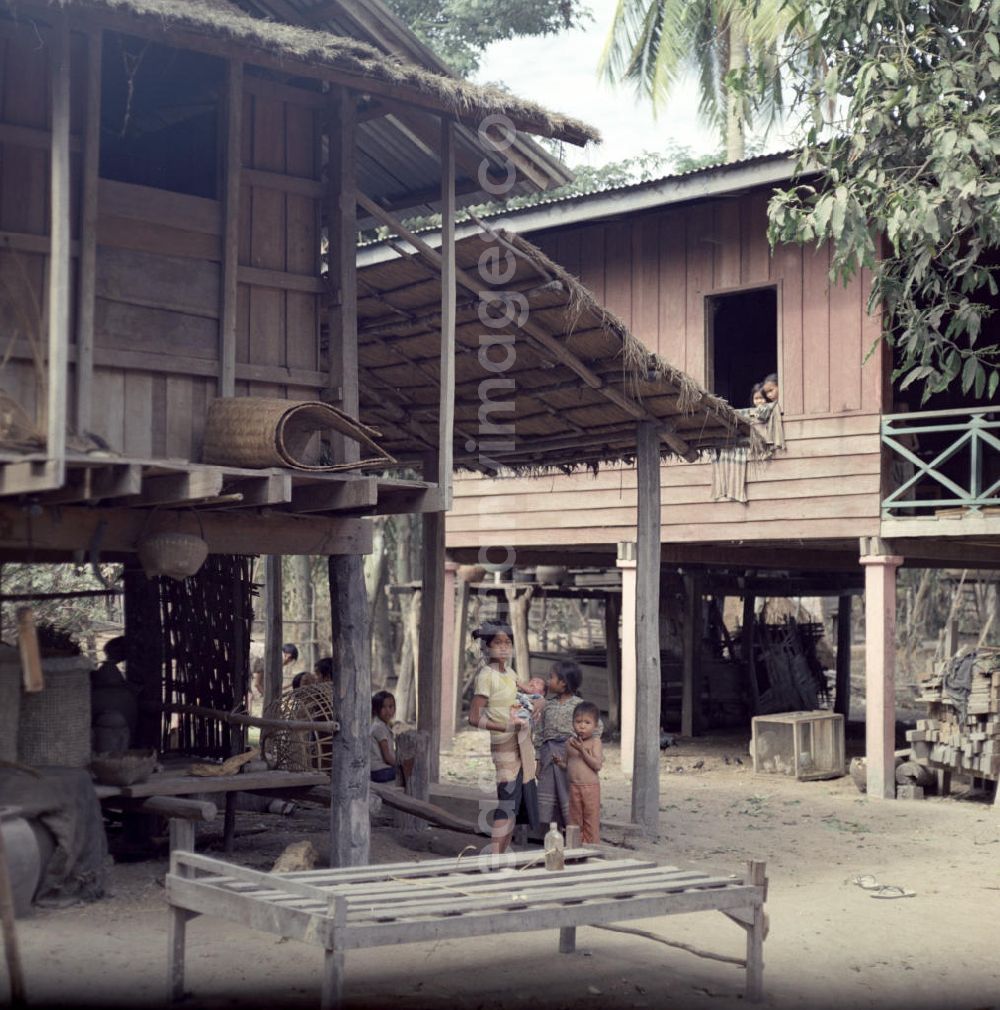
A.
x: 769, y: 387
x: 494, y: 692
x: 757, y: 397
x: 554, y: 729
x: 383, y: 747
x: 584, y: 758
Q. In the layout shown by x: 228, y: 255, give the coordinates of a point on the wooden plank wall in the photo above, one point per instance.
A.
x: 156, y: 343
x: 655, y: 271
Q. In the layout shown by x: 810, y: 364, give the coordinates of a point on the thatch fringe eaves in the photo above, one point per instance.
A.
x: 219, y: 19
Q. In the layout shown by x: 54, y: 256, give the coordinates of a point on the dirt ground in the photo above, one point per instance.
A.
x: 830, y: 945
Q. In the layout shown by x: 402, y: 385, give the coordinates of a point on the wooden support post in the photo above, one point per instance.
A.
x: 430, y: 641
x: 880, y: 669
x: 350, y: 829
x: 449, y: 677
x: 646, y: 774
x: 182, y: 831
x: 60, y: 261
x: 231, y: 229
x: 518, y: 607
x: 446, y: 414
x: 842, y: 688
x: 458, y: 645
x: 413, y: 749
x: 612, y: 646
x: 567, y: 939
x: 332, y: 990
x: 626, y: 564
x: 691, y: 688
x: 87, y: 279
x: 7, y: 915
x: 229, y: 824
x: 756, y: 875
x: 342, y: 233
x: 273, y: 630
x: 749, y: 601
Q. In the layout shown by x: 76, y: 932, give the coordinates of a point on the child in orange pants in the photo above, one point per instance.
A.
x: 584, y: 758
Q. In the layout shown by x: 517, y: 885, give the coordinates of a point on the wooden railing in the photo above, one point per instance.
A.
x: 942, y: 459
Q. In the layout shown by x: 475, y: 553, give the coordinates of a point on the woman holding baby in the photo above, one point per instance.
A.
x: 495, y: 707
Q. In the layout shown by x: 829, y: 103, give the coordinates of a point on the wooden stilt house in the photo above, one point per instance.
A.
x: 867, y: 479
x: 182, y: 185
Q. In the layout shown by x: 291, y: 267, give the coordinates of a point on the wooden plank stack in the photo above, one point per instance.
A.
x: 963, y: 741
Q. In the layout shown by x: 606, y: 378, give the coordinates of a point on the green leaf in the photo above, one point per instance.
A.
x: 839, y: 212
x: 969, y: 373
x: 991, y: 41
x: 994, y: 381
x: 889, y: 72
x: 980, y: 382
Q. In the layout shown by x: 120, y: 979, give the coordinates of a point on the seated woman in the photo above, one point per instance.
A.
x: 383, y: 745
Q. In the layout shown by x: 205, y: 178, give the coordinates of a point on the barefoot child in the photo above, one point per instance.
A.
x: 553, y: 730
x: 584, y: 757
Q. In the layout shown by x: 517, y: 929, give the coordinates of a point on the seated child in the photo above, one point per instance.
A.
x: 584, y: 758
x: 524, y: 708
x: 383, y: 747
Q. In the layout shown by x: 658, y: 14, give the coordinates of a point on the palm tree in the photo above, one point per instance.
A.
x: 653, y: 43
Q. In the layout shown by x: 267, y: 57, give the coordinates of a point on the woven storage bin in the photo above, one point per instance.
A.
x: 54, y: 726
x: 10, y: 701
x: 257, y: 431
x: 178, y: 555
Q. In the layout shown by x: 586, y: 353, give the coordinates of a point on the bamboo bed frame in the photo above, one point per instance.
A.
x: 374, y: 906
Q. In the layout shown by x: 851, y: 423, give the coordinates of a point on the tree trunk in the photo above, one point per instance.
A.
x: 735, y: 124
x: 518, y: 604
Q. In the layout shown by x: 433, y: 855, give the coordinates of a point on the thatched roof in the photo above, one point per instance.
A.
x: 581, y: 379
x: 292, y: 44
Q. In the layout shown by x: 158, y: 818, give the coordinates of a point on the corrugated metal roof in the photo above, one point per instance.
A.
x: 570, y: 208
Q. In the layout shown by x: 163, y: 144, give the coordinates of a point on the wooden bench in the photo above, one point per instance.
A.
x: 373, y: 906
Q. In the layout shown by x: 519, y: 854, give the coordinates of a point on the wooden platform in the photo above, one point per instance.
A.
x: 117, y: 481
x: 374, y: 906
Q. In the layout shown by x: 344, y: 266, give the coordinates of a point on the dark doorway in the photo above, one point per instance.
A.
x: 742, y: 330
x: 160, y: 116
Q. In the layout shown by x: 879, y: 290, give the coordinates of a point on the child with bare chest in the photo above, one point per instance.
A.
x: 584, y: 758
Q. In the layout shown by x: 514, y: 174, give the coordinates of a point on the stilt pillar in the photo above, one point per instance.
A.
x: 880, y: 668
x: 449, y: 675
x: 842, y: 689
x: 626, y: 564
x: 430, y: 637
x: 646, y: 774
x: 350, y: 828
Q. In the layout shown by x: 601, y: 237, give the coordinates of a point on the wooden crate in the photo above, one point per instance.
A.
x: 806, y: 745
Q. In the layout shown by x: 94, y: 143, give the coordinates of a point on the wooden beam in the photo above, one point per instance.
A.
x: 429, y: 659
x: 87, y: 278
x: 612, y: 645
x: 842, y: 690
x: 31, y: 136
x: 350, y: 827
x: 880, y: 671
x: 458, y: 641
x: 646, y: 773
x: 231, y: 228
x: 273, y: 489
x: 178, y: 488
x: 691, y: 672
x: 449, y: 682
x: 747, y: 647
x: 64, y: 530
x: 540, y: 337
x: 446, y: 416
x: 116, y: 481
x: 342, y: 236
x: 60, y: 266
x: 273, y: 629
x: 336, y: 496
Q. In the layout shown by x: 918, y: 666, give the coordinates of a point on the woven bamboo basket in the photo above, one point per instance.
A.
x: 300, y: 750
x: 10, y: 701
x: 54, y: 727
x: 256, y: 431
x: 178, y: 555
x: 123, y: 769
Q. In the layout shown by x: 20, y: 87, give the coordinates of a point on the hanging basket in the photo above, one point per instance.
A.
x: 253, y: 431
x: 178, y: 555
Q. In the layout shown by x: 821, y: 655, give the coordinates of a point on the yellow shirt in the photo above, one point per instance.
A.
x: 511, y: 751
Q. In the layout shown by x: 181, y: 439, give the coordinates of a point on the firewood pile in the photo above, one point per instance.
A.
x: 962, y: 730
